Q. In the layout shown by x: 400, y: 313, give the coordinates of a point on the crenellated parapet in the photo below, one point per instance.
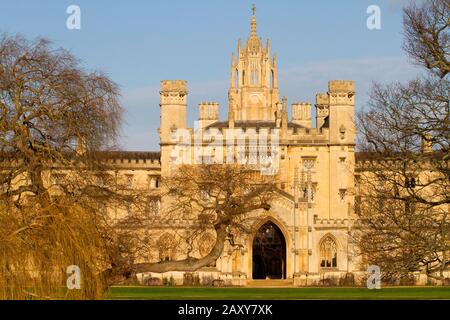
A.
x: 335, y: 110
x: 173, y: 92
x: 301, y: 114
x: 341, y: 92
x: 173, y: 97
x: 322, y: 109
x: 333, y: 223
x: 133, y: 158
x: 208, y: 111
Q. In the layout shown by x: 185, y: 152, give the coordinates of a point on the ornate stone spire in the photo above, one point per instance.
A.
x: 253, y: 79
x: 253, y: 25
x: 254, y: 42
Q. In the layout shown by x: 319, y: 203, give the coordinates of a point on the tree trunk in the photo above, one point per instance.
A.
x: 189, y: 264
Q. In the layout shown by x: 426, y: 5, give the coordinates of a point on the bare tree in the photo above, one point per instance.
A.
x: 403, y: 172
x: 217, y: 199
x: 427, y: 35
x: 404, y: 178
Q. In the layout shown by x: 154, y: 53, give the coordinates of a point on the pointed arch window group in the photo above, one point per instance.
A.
x: 328, y: 253
x: 254, y: 73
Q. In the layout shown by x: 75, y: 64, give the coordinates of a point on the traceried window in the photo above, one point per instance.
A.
x: 153, y: 182
x: 206, y: 243
x: 254, y: 73
x: 271, y: 79
x: 129, y: 181
x: 153, y: 206
x: 308, y: 164
x: 166, y: 247
x: 309, y: 193
x: 328, y: 253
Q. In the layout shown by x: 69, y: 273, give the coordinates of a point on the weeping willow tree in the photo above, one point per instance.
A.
x: 56, y: 121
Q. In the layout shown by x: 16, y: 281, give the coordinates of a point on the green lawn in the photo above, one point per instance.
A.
x: 184, y: 293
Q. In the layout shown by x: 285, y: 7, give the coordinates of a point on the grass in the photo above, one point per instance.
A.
x: 189, y: 293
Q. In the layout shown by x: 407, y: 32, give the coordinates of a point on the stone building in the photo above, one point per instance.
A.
x: 308, y: 224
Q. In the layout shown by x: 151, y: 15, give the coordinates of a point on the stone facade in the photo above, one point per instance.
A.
x: 316, y: 164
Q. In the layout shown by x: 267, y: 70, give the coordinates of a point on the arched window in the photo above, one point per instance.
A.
x: 206, y: 243
x: 166, y: 247
x: 328, y: 253
x: 254, y: 73
x: 271, y: 79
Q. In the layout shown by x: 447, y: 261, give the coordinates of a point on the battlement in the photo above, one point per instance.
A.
x: 341, y: 92
x: 301, y: 111
x: 307, y: 135
x: 174, y: 86
x: 338, y: 86
x: 322, y: 99
x: 173, y: 92
x: 332, y: 223
x: 301, y: 114
x: 209, y: 111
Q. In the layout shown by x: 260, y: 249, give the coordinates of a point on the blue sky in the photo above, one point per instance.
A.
x: 140, y: 42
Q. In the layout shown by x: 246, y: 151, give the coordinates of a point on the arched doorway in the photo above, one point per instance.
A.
x: 269, y: 253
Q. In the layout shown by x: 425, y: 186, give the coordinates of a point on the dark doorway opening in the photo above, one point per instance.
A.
x: 269, y: 253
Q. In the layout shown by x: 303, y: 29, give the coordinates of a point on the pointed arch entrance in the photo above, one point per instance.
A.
x: 269, y: 253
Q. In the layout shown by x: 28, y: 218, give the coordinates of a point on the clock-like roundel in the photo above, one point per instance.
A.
x: 255, y: 98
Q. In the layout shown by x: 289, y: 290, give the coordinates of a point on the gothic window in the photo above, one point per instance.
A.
x: 153, y: 206
x: 328, y: 253
x: 309, y: 193
x: 166, y: 247
x: 153, y: 182
x: 308, y: 164
x: 206, y: 243
x: 129, y: 181
x: 254, y: 73
x: 271, y: 79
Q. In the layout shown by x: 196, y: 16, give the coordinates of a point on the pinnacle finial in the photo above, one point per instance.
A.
x: 253, y: 20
